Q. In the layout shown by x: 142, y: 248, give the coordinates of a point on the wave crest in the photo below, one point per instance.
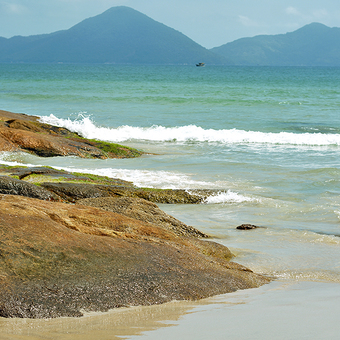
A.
x: 190, y: 133
x: 228, y: 197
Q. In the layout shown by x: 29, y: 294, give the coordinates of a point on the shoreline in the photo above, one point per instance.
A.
x: 280, y: 303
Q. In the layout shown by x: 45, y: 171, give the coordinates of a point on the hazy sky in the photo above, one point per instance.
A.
x: 210, y: 23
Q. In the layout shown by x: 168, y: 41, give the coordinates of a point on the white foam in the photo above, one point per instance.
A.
x: 141, y: 178
x: 149, y: 179
x: 88, y: 129
x: 145, y: 178
x: 337, y: 212
x: 13, y: 159
x: 228, y: 197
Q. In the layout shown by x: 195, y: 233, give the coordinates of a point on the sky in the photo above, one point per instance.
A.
x: 210, y: 23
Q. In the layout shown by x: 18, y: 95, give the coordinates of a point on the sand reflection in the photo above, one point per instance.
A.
x: 279, y: 310
x: 116, y: 324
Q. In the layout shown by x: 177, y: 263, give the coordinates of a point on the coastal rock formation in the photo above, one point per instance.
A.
x: 74, y: 191
x: 19, y: 132
x: 113, y: 248
x: 60, y: 259
x: 142, y: 210
x: 71, y: 187
x: 38, y: 175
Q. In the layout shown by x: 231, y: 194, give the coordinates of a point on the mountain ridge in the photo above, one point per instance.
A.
x: 118, y: 35
x: 122, y: 35
x: 314, y: 44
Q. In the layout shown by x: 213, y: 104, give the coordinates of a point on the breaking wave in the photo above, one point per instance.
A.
x: 147, y: 178
x: 190, y: 133
x: 228, y: 197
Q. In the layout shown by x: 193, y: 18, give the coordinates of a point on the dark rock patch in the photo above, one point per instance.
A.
x: 12, y: 186
x: 76, y: 191
x: 22, y: 172
x: 246, y: 227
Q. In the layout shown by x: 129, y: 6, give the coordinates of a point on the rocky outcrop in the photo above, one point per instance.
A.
x: 71, y: 187
x: 60, y: 259
x: 143, y: 210
x: 136, y: 208
x: 74, y: 191
x: 113, y: 248
x: 19, y: 132
x: 37, y: 175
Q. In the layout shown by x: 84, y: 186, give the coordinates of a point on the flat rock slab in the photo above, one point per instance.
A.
x: 71, y: 187
x: 75, y: 191
x: 40, y: 174
x: 143, y: 210
x: 60, y: 259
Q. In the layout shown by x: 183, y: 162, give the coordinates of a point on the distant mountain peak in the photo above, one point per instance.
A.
x: 312, y: 28
x: 314, y: 44
x: 118, y: 35
x: 314, y: 25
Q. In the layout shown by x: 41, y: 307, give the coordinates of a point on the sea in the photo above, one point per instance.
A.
x: 266, y: 139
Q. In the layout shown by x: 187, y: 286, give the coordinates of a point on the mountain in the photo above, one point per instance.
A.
x: 119, y: 35
x: 123, y: 35
x: 312, y: 45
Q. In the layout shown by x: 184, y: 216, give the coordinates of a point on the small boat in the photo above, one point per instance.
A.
x: 200, y: 65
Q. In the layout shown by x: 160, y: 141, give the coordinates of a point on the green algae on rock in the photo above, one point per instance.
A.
x: 37, y: 175
x: 20, y: 132
x: 71, y: 187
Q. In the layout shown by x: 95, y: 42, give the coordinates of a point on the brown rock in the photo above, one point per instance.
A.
x: 23, y: 125
x: 59, y: 259
x: 19, y: 132
x: 6, y: 145
x: 142, y: 210
x: 6, y: 115
x: 48, y: 145
x: 36, y: 126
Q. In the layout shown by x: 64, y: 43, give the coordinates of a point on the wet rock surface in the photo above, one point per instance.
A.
x: 246, y: 227
x: 71, y: 187
x: 76, y: 191
x: 145, y: 211
x: 60, y: 259
x: 12, y: 186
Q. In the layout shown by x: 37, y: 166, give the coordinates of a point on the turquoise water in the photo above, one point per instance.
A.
x: 267, y: 138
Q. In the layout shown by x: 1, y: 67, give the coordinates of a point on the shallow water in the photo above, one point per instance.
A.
x: 267, y: 138
x: 280, y: 310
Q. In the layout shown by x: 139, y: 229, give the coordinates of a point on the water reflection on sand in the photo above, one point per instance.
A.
x: 280, y: 310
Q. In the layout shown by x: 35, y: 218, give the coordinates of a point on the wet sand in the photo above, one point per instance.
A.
x: 279, y: 310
